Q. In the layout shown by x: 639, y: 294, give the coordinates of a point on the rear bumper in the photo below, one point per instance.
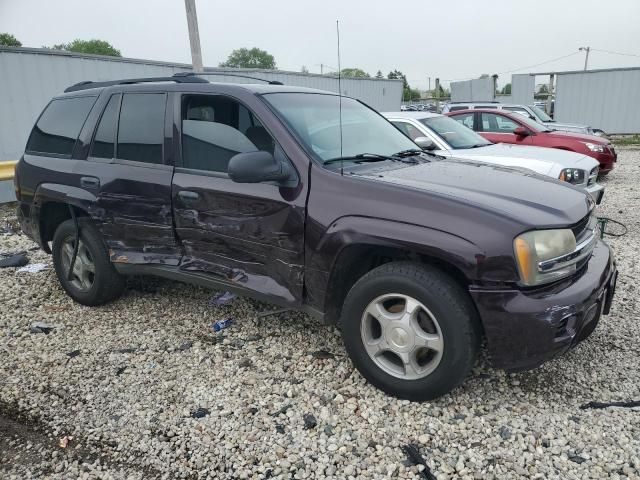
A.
x: 526, y: 328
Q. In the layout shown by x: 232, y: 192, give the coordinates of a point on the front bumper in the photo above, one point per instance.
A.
x: 607, y: 160
x: 597, y: 192
x: 526, y: 328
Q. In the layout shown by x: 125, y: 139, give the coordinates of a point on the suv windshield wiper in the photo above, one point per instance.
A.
x: 411, y: 152
x: 362, y: 157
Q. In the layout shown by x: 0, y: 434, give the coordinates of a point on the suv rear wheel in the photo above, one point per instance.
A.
x: 93, y: 280
x: 411, y: 330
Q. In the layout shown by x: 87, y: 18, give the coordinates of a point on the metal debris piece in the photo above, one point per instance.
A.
x: 42, y: 327
x: 309, y: 421
x: 630, y: 404
x: 268, y: 313
x: 322, y: 355
x: 13, y: 260
x: 200, y: 413
x: 33, y: 268
x: 413, y: 454
x: 220, y: 299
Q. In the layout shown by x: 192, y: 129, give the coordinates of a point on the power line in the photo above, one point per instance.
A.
x: 616, y: 53
x: 521, y: 68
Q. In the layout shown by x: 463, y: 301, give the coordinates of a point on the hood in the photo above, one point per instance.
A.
x: 579, y: 136
x: 525, y: 197
x: 545, y: 161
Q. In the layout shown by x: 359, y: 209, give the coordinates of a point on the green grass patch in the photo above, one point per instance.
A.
x: 626, y: 140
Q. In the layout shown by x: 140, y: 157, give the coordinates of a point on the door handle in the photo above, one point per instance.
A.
x: 89, y: 182
x: 188, y: 196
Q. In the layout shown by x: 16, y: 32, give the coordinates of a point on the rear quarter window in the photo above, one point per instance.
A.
x: 59, y: 125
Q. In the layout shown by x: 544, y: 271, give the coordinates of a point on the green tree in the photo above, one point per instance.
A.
x: 543, y: 89
x: 506, y: 90
x: 304, y: 69
x: 354, y: 72
x: 9, y: 40
x: 406, y: 89
x: 379, y: 74
x: 250, y: 58
x: 94, y: 46
x: 415, y: 94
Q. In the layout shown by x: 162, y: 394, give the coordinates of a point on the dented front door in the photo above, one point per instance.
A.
x: 248, y: 234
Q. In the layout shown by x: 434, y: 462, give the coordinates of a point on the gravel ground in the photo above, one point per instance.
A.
x: 126, y: 380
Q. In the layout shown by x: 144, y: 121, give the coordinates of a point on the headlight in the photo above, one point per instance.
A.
x: 594, y: 147
x: 532, y: 248
x: 572, y: 175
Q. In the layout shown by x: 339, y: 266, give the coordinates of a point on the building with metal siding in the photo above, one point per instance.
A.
x: 607, y: 99
x: 29, y: 77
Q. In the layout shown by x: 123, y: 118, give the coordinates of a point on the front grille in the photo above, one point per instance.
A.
x: 579, y: 228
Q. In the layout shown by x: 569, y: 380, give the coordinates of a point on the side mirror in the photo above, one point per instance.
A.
x: 256, y: 167
x: 425, y: 143
x: 521, y: 132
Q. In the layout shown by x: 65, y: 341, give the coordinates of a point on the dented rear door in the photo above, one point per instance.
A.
x: 130, y: 176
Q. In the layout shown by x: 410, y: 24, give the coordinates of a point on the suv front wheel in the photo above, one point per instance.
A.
x: 93, y: 280
x: 410, y: 330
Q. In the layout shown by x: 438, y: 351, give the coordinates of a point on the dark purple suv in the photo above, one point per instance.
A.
x: 268, y: 191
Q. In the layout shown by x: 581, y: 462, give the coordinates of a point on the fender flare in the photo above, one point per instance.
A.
x: 58, y: 193
x: 357, y: 230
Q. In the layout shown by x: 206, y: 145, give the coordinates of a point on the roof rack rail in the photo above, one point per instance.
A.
x: 89, y: 84
x: 224, y: 74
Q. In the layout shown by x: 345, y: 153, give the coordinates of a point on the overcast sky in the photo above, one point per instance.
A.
x: 454, y: 39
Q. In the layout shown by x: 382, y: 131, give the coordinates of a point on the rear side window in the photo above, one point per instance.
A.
x: 141, y: 128
x: 104, y: 141
x: 59, y: 125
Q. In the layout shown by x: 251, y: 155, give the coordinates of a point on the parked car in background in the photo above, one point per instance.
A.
x: 531, y: 111
x: 501, y: 126
x: 451, y: 138
x: 265, y: 191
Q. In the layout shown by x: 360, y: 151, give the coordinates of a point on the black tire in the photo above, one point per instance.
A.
x: 107, y: 284
x: 449, y: 303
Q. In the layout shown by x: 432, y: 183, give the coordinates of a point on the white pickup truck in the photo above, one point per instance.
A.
x: 450, y: 138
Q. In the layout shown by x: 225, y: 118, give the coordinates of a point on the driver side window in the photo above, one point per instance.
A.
x: 408, y: 129
x: 497, y: 123
x: 215, y: 128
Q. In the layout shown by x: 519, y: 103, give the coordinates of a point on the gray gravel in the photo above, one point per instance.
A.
x: 148, y: 390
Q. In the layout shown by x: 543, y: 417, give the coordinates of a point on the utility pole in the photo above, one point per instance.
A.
x: 586, y: 58
x: 321, y: 69
x: 194, y: 36
x: 438, y: 95
x: 429, y: 84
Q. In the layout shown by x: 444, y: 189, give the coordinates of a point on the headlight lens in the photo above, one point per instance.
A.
x: 594, y: 147
x: 573, y: 175
x: 536, y: 246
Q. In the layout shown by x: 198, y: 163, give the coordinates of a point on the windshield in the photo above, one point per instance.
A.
x: 541, y: 114
x: 454, y: 133
x: 315, y: 118
x: 532, y: 124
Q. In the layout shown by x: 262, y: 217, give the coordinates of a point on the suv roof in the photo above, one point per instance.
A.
x: 193, y: 83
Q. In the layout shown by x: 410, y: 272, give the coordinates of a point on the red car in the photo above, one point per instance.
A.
x: 499, y: 126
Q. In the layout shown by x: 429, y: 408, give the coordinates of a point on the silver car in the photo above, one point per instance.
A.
x: 447, y: 137
x: 533, y: 112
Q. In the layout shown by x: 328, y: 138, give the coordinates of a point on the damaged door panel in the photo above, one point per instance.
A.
x: 248, y: 234
x: 131, y: 180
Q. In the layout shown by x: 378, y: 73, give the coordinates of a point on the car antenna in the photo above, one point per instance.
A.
x: 340, y: 97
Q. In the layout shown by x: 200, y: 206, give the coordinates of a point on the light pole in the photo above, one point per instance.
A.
x: 586, y: 58
x: 194, y: 35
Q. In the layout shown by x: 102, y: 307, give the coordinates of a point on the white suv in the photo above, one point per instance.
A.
x: 449, y: 138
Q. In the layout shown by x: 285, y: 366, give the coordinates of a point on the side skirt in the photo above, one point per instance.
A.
x: 207, y: 281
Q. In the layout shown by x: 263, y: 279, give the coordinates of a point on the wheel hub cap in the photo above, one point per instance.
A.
x: 402, y: 336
